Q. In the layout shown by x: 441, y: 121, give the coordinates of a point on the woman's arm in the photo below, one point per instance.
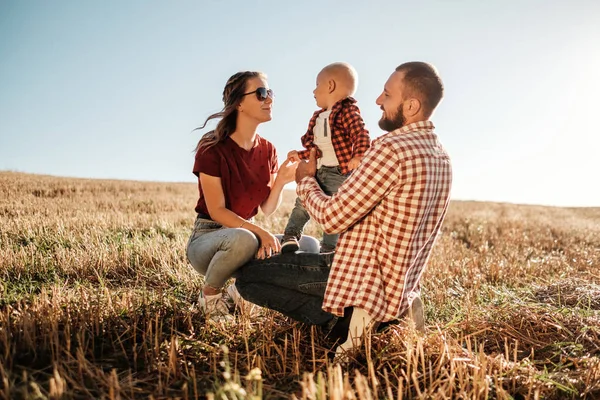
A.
x: 284, y: 176
x: 215, y: 202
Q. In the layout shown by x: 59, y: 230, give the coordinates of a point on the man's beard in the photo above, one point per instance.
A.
x: 392, y: 124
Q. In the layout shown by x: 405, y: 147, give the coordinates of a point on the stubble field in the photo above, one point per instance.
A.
x: 97, y: 300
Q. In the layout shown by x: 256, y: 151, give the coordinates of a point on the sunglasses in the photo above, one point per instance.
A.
x: 262, y: 93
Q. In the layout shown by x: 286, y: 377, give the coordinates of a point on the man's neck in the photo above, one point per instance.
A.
x: 415, y: 119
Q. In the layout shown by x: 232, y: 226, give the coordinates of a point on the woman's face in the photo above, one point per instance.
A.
x: 251, y: 105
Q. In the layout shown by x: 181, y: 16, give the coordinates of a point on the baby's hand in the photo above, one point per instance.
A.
x: 354, y: 162
x: 292, y: 156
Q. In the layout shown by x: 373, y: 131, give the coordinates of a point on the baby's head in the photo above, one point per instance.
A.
x: 335, y: 82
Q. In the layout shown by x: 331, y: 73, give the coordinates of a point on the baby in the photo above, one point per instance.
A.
x: 338, y: 132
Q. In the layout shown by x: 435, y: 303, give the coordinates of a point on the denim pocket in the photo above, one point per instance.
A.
x: 313, y: 288
x: 202, y: 226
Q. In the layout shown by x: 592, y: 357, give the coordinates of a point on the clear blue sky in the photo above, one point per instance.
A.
x: 112, y: 89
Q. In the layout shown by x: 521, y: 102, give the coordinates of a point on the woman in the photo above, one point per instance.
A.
x: 237, y: 174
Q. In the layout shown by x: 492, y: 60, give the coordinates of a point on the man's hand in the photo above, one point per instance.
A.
x: 307, y: 168
x: 354, y: 162
x: 292, y: 156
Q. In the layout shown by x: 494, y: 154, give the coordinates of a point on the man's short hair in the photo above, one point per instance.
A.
x: 423, y: 81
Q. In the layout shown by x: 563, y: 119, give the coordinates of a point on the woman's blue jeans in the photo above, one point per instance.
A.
x: 217, y: 252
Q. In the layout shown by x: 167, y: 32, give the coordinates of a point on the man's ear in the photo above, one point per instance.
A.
x: 413, y: 107
x: 331, y: 85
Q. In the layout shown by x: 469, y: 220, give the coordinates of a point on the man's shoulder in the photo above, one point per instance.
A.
x: 407, y: 133
x: 395, y: 139
x: 414, y: 143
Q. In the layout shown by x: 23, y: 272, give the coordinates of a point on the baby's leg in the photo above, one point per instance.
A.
x: 330, y: 179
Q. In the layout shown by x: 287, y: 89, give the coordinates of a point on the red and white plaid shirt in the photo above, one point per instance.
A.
x: 349, y: 136
x: 389, y: 212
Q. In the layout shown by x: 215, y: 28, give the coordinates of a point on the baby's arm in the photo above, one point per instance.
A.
x: 308, y: 138
x: 354, y: 162
x: 358, y: 134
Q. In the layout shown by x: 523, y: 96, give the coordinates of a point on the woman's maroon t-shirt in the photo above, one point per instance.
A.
x: 245, y: 175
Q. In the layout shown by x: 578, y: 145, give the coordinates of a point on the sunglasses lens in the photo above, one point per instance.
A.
x: 261, y: 93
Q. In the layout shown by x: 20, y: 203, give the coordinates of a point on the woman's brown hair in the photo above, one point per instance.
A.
x: 232, y: 96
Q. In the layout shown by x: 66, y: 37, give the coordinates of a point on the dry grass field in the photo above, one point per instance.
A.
x: 97, y: 301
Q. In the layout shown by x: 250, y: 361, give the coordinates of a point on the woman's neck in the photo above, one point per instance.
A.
x: 244, y: 135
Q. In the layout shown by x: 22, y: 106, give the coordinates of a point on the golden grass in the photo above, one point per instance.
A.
x: 97, y: 301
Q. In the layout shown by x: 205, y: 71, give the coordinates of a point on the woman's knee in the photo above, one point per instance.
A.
x: 198, y: 256
x: 238, y: 246
x: 244, y: 241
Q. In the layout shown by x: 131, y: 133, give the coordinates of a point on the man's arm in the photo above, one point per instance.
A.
x: 357, y: 196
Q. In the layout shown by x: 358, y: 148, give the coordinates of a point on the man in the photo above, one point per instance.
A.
x: 389, y: 212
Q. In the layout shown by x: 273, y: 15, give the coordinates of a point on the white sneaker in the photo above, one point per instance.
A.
x: 214, y: 308
x: 244, y: 307
x: 234, y: 295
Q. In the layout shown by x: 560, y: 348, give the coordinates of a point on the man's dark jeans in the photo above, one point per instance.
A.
x: 291, y: 283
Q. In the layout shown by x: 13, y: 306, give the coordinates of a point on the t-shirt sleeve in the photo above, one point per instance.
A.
x: 207, y: 162
x: 274, y: 162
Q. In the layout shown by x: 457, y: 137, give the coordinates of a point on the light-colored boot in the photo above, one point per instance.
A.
x: 416, y: 314
x: 360, y: 324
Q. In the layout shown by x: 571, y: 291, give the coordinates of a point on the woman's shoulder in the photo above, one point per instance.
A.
x: 261, y: 141
x: 216, y: 150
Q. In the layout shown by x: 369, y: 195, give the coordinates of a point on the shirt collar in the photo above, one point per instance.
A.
x: 337, y: 106
x: 415, y: 126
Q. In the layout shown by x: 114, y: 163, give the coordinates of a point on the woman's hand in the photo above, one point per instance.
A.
x: 269, y: 245
x: 293, y: 156
x: 287, y: 172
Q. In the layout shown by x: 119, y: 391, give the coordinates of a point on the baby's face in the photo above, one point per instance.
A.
x: 321, y: 91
